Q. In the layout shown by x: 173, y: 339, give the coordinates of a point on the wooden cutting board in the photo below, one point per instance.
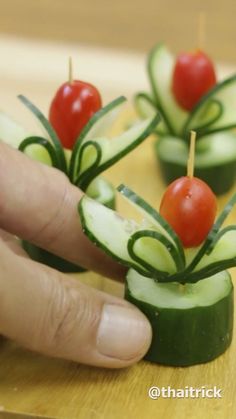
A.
x: 32, y: 385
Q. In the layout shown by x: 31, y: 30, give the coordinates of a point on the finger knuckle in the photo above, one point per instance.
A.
x: 71, y: 315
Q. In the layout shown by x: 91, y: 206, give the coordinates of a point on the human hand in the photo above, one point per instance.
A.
x: 42, y: 308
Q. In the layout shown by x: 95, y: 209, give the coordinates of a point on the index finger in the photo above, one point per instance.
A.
x: 39, y: 204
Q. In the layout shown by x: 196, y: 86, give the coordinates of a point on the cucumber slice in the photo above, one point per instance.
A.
x: 102, y: 225
x: 224, y: 93
x: 100, y: 153
x: 147, y: 250
x: 102, y: 191
x: 155, y: 252
x: 152, y: 253
x: 221, y: 255
x: 99, y: 189
x: 215, y: 159
x: 99, y: 125
x: 155, y: 219
x: 191, y: 324
x: 146, y: 108
x: 160, y: 70
x: 59, y: 151
x: 209, y: 113
x: 12, y: 133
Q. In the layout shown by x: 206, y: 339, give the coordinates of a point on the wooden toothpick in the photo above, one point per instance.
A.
x: 201, y: 30
x: 70, y: 70
x: 190, y: 164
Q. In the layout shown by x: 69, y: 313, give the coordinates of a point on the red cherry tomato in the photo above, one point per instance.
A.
x: 193, y: 76
x: 72, y: 106
x: 189, y: 206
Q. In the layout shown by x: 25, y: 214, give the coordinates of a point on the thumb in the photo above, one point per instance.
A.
x: 54, y: 314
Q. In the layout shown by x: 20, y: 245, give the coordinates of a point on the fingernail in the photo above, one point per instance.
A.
x: 123, y: 333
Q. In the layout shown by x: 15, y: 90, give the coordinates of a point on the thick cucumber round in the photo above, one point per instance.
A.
x: 191, y: 324
x: 215, y: 160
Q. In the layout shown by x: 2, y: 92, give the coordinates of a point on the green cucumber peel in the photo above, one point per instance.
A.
x: 203, y: 101
x: 49, y: 129
x: 163, y: 240
x: 158, y: 255
x: 43, y: 142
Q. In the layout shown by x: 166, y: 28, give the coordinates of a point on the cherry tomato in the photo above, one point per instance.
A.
x: 189, y: 206
x: 193, y: 77
x: 72, y: 106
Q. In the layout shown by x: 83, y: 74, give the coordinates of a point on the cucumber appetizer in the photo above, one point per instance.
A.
x: 79, y: 122
x: 177, y: 260
x: 186, y: 93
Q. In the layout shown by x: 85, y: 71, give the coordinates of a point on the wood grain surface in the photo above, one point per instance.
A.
x: 34, y: 385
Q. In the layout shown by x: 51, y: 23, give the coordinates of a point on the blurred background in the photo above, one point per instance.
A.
x: 125, y: 24
x: 107, y: 40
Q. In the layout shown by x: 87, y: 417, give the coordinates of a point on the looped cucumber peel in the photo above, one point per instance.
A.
x: 213, y: 118
x: 186, y: 293
x: 93, y: 152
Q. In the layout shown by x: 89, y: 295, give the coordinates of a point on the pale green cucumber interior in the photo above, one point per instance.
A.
x: 210, y: 150
x: 101, y: 190
x: 227, y: 96
x: 108, y: 228
x: 147, y: 109
x: 149, y: 222
x: 88, y: 157
x: 161, y: 65
x: 103, y: 125
x: 155, y: 254
x: 111, y: 147
x: 224, y: 249
x: 113, y: 233
x: 173, y: 295
x: 13, y: 134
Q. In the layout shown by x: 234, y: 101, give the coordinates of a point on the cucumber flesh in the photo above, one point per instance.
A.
x: 100, y: 153
x: 12, y: 133
x: 225, y: 94
x: 146, y: 108
x: 102, y: 191
x: 99, y: 189
x: 160, y: 69
x: 98, y: 126
x: 150, y: 252
x: 154, y: 218
x: 146, y: 250
x: 191, y: 324
x: 215, y: 159
x: 101, y: 123
x: 154, y: 252
x: 47, y: 258
x: 108, y: 230
x: 222, y: 253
